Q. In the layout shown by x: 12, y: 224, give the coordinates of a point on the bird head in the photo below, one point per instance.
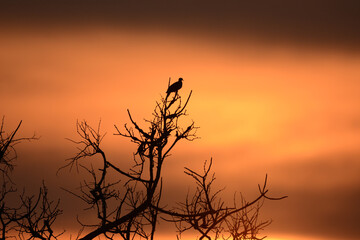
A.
x: 180, y: 79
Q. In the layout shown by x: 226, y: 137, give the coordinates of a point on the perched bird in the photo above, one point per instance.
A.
x: 174, y: 87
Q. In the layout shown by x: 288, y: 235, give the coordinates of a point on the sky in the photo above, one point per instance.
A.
x: 275, y: 91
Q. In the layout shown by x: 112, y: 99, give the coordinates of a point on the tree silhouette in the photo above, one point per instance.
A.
x: 32, y: 216
x: 126, y: 202
x: 129, y: 206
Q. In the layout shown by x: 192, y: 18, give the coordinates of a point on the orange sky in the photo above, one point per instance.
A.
x: 288, y: 110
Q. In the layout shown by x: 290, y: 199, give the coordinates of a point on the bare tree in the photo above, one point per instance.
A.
x: 7, y: 157
x: 32, y: 217
x: 206, y: 212
x: 127, y: 205
x: 7, y: 150
x: 126, y: 202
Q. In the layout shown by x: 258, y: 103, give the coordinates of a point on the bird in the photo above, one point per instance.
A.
x: 174, y: 87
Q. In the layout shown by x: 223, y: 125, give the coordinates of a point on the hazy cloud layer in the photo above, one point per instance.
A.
x: 311, y: 22
x: 323, y: 191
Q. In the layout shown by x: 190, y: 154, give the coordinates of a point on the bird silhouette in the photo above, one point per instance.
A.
x: 174, y: 87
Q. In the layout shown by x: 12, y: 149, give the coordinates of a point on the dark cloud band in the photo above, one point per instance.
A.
x: 333, y: 22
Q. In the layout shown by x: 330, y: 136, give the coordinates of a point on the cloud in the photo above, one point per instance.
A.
x: 331, y: 213
x: 323, y: 192
x: 323, y: 22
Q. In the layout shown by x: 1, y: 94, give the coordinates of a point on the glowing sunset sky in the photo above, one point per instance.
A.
x: 276, y: 89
